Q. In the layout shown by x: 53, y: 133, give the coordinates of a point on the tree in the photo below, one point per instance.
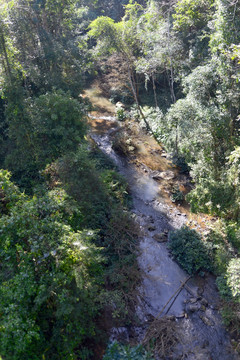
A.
x: 40, y: 130
x: 50, y: 277
x: 47, y: 43
x: 122, y: 38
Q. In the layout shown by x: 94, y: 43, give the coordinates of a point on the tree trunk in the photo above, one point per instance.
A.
x: 171, y: 76
x: 176, y: 140
x: 7, y: 66
x: 133, y: 87
x: 154, y: 90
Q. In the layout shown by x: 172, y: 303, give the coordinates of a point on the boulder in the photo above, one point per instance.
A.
x: 193, y: 307
x: 163, y: 175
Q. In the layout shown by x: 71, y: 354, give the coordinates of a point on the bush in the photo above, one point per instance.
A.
x: 177, y: 195
x: 229, y: 288
x: 121, y: 116
x: 189, y: 250
x: 229, y: 284
x: 116, y: 351
x: 42, y: 129
x: 50, y: 278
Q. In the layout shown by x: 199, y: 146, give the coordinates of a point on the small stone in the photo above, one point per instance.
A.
x: 119, y: 105
x: 205, y: 344
x: 131, y: 148
x: 193, y: 300
x: 160, y: 237
x: 151, y: 228
x: 204, y: 302
x: 193, y: 308
x: 214, y: 307
x: 200, y: 291
x: 182, y: 315
x: 206, y: 320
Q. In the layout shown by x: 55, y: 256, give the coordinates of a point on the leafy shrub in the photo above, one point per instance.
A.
x: 189, y: 250
x: 213, y: 197
x: 102, y: 161
x: 229, y: 284
x: 42, y: 129
x: 117, y: 187
x: 121, y: 116
x: 229, y: 288
x: 117, y: 351
x: 177, y: 195
x: 180, y: 161
x: 49, y: 278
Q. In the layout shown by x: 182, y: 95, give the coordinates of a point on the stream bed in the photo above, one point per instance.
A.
x: 195, y: 309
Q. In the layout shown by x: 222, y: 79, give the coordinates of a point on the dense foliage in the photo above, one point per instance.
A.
x: 183, y: 66
x: 189, y: 250
x: 116, y: 351
x: 182, y: 72
x: 50, y: 278
x: 64, y: 229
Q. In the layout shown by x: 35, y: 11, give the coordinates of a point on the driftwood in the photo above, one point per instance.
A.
x: 189, y: 290
x: 162, y: 334
x: 174, y: 297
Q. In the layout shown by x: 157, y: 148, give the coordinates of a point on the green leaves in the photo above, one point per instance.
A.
x: 192, y: 14
x: 40, y: 130
x: 190, y: 251
x: 117, y: 351
x: 49, y: 282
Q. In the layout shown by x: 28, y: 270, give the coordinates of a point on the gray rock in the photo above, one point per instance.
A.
x: 193, y: 300
x: 182, y: 315
x: 193, y: 307
x: 206, y: 320
x: 204, y: 302
x: 165, y: 175
x: 119, y: 105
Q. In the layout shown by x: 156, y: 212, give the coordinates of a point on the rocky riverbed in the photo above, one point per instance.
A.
x: 193, y: 308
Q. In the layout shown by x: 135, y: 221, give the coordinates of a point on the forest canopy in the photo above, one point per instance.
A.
x: 63, y: 242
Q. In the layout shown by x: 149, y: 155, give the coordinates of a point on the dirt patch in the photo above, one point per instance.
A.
x: 101, y: 125
x: 143, y: 151
x: 98, y: 99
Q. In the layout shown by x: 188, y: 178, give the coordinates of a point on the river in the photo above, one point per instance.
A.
x: 201, y: 334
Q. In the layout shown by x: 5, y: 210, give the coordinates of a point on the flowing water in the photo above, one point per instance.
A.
x: 203, y: 336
